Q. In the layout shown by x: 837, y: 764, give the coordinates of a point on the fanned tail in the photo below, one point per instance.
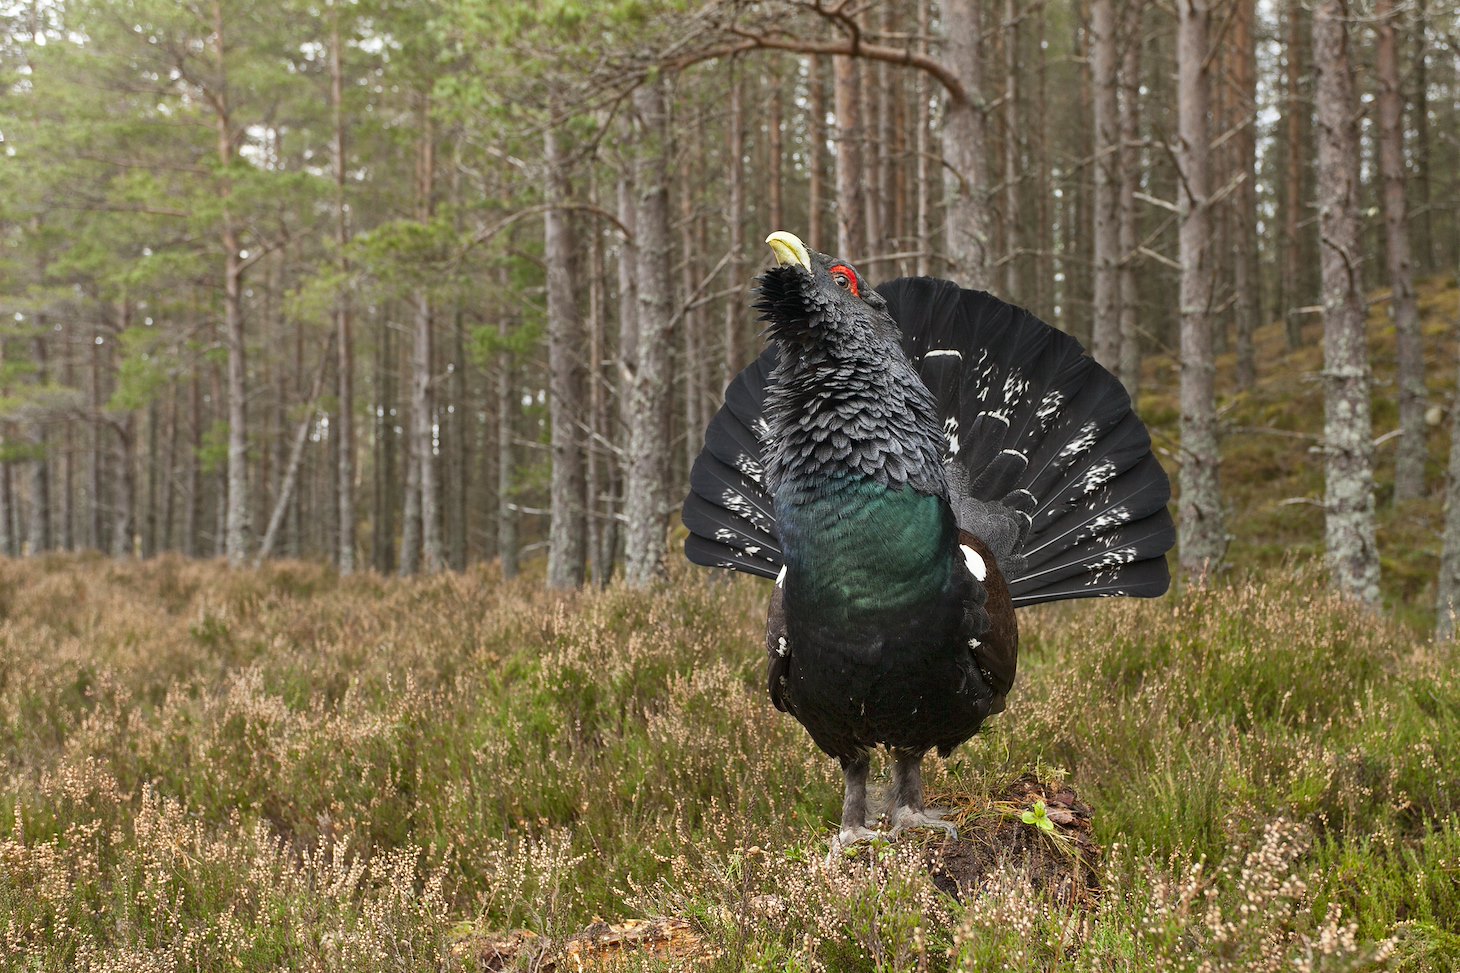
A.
x: 731, y: 520
x: 1044, y: 453
x: 1037, y: 425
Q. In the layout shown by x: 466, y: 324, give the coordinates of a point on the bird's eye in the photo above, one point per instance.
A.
x: 845, y: 278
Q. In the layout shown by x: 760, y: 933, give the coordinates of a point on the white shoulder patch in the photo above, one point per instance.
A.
x: 781, y: 578
x: 975, y: 564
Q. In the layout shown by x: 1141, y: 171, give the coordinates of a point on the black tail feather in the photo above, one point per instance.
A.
x: 1031, y: 421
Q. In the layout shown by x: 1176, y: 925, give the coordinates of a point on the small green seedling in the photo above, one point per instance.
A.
x: 1038, y: 817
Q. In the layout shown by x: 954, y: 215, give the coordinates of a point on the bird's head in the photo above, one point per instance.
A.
x: 810, y: 299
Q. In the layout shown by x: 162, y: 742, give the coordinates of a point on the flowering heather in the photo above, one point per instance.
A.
x: 283, y: 769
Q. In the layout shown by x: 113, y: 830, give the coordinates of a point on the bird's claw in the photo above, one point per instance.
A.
x: 848, y: 837
x: 904, y: 819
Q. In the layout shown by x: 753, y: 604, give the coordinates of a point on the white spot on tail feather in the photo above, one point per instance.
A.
x: 944, y: 352
x: 974, y: 563
x: 781, y: 577
x: 782, y: 649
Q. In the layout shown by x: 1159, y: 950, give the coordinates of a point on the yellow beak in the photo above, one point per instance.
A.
x: 789, y: 249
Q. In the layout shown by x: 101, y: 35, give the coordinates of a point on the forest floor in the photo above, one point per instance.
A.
x: 282, y: 769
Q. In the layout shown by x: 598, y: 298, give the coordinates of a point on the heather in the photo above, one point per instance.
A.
x: 283, y: 768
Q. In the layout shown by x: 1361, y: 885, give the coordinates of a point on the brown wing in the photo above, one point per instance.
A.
x: 998, y: 649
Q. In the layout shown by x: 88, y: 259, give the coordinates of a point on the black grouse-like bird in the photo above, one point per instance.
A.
x: 911, y: 464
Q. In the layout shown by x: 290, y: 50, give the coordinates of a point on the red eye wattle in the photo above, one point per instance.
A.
x: 846, y: 278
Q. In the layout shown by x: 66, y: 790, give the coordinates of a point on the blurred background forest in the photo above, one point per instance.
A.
x: 408, y: 285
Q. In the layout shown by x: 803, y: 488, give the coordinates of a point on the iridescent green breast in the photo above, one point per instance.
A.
x: 857, y: 550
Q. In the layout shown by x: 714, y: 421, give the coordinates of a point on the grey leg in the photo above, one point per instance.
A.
x: 905, y: 803
x: 854, y: 807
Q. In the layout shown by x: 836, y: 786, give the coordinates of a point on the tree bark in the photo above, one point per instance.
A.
x: 1349, y: 474
x: 237, y: 512
x: 1104, y: 61
x: 733, y: 345
x: 344, y: 325
x: 851, y: 212
x: 1013, y: 172
x: 1202, y: 538
x: 1295, y: 195
x: 645, y: 497
x: 567, y: 533
x: 507, y: 408
x: 1409, y: 457
x: 1447, y: 594
x: 816, y: 156
x: 1130, y: 175
x: 1246, y: 280
x: 38, y: 526
x: 965, y: 176
x: 290, y: 479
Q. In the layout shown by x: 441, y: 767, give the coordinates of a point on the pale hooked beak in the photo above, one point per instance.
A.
x: 789, y: 249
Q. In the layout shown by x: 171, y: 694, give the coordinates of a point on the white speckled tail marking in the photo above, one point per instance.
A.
x: 781, y: 577
x: 975, y: 564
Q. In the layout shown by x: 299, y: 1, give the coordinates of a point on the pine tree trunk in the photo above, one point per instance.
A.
x: 1013, y: 172
x: 344, y: 325
x: 733, y: 345
x: 507, y: 406
x: 1409, y: 458
x: 645, y: 497
x: 1349, y: 475
x: 567, y: 534
x: 237, y: 517
x: 922, y: 149
x: 1130, y: 175
x: 816, y: 157
x: 965, y: 175
x: 1294, y: 274
x: 851, y: 212
x: 1202, y: 538
x: 1104, y: 58
x: 38, y: 527
x: 1246, y: 280
x: 125, y: 495
x: 1419, y: 107
x: 1447, y: 595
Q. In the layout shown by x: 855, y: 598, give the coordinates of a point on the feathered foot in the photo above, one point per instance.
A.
x: 905, y: 798
x: 854, y: 809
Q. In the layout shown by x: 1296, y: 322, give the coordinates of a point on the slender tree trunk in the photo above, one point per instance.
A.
x: 965, y: 175
x: 1447, y: 595
x: 1104, y: 59
x: 124, y: 541
x: 1409, y: 458
x: 1353, y: 555
x: 567, y: 534
x: 290, y: 479
x: 645, y: 496
x: 423, y: 393
x: 923, y: 150
x: 851, y: 213
x: 38, y: 530
x: 1246, y: 279
x: 1419, y: 106
x: 816, y: 156
x: 775, y: 153
x: 237, y: 516
x: 193, y: 515
x: 95, y: 468
x: 734, y: 343
x: 1013, y: 170
x: 1295, y: 194
x: 344, y: 325
x: 1130, y: 175
x: 507, y: 406
x: 1202, y: 537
